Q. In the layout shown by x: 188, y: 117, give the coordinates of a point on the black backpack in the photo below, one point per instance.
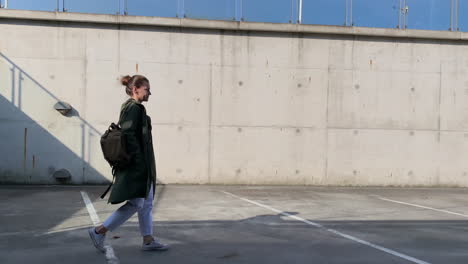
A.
x: 114, y: 148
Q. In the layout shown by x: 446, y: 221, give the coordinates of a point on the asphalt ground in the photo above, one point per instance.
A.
x: 242, y: 224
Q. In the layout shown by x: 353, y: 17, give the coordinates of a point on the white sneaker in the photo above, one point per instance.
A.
x: 98, y: 239
x: 155, y: 245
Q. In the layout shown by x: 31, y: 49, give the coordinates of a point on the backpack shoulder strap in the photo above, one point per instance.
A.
x: 110, y: 185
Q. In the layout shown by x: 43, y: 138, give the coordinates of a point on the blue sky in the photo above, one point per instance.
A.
x: 423, y: 14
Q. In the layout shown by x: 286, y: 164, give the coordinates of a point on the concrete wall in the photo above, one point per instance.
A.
x: 236, y: 103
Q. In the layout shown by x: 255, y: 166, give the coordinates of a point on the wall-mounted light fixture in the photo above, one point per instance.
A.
x: 63, y: 108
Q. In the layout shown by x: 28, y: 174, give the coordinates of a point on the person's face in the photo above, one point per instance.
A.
x: 142, y: 94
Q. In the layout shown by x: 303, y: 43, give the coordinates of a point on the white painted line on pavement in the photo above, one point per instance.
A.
x: 355, y: 239
x: 421, y: 206
x: 110, y: 255
x: 62, y: 230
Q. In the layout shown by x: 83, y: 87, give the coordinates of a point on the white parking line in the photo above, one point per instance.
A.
x: 110, y: 255
x: 386, y: 250
x: 421, y: 206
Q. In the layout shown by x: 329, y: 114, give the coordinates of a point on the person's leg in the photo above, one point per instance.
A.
x: 145, y: 218
x: 121, y: 215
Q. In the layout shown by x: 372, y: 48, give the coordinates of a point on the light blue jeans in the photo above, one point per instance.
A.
x: 143, y: 206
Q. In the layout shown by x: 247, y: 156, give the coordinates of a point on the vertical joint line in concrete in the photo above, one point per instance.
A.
x: 85, y: 80
x: 25, y: 149
x: 13, y: 85
x: 440, y: 99
x: 20, y: 88
x: 83, y: 148
x: 439, y: 121
x: 210, y: 117
x: 327, y: 120
x: 118, y: 48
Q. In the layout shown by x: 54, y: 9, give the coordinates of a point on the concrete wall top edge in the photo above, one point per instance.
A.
x: 230, y: 25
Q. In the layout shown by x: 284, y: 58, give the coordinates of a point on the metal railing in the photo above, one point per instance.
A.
x: 402, y: 14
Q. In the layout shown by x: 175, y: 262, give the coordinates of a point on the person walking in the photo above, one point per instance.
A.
x: 134, y: 184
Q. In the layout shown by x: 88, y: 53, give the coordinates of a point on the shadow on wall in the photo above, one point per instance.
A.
x: 38, y: 144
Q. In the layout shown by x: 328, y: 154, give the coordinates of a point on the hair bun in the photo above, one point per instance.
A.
x: 125, y: 80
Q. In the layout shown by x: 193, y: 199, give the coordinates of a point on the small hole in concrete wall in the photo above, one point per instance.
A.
x: 239, y: 129
x: 180, y: 81
x: 179, y: 128
x: 357, y: 86
x: 241, y: 83
x: 299, y: 85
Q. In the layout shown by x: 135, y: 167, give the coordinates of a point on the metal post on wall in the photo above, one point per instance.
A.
x: 405, y: 11
x: 6, y: 4
x: 451, y: 15
x: 126, y: 7
x: 180, y: 9
x: 349, y: 13
x: 241, y: 10
x: 299, y: 20
x: 346, y: 14
x: 403, y: 15
x: 236, y: 10
x: 454, y: 15
x: 399, y: 15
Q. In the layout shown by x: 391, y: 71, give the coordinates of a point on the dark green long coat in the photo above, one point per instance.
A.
x: 135, y: 180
